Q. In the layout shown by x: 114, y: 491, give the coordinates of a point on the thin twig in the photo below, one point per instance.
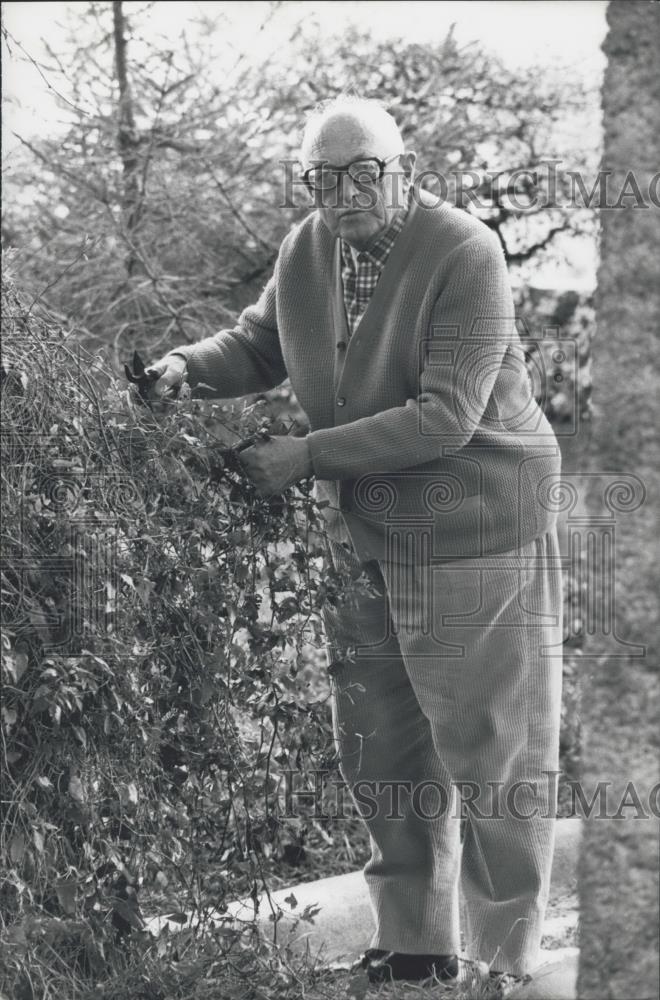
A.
x: 37, y: 66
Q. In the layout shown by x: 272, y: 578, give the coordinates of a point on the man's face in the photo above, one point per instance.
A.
x: 357, y: 211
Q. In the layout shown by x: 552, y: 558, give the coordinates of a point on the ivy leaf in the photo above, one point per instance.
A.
x: 128, y: 795
x: 17, y: 848
x: 81, y: 734
x: 145, y: 589
x: 291, y: 900
x: 357, y: 987
x: 16, y: 934
x: 10, y: 716
x: 76, y: 790
x: 95, y: 955
x: 66, y: 897
x: 128, y: 911
x: 20, y: 665
x: 310, y: 912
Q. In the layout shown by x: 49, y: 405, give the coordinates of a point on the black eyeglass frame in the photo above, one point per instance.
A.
x: 346, y: 170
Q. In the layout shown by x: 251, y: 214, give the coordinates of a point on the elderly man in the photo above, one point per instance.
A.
x: 392, y: 316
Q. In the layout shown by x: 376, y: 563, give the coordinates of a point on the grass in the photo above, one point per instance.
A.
x: 266, y: 973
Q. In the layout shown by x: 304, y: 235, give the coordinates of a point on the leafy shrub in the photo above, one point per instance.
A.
x: 559, y: 328
x: 161, y: 624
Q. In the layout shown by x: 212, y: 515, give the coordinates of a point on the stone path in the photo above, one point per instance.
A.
x: 330, y: 920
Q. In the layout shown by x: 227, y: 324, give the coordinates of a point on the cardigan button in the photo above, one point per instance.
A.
x: 341, y: 401
x: 341, y: 346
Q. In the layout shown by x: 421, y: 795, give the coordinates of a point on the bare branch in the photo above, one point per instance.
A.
x: 85, y: 246
x: 77, y: 179
x: 520, y: 256
x: 39, y: 70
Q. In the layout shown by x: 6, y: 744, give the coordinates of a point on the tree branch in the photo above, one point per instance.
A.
x: 522, y: 255
x: 126, y: 134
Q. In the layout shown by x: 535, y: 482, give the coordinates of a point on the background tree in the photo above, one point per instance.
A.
x: 620, y: 696
x: 164, y: 197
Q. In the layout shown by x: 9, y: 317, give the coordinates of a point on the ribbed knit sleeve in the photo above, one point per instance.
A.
x: 243, y: 360
x: 471, y: 325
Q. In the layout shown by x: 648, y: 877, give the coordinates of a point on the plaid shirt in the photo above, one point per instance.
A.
x: 360, y: 283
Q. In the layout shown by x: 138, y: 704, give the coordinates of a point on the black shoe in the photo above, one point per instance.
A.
x: 385, y: 966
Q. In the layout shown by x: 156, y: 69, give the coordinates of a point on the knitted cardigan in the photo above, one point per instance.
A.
x: 426, y: 441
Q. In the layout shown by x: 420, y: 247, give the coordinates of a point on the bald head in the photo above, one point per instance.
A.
x: 360, y: 127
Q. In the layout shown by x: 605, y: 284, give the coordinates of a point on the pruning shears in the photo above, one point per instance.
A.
x: 142, y: 377
x: 229, y: 456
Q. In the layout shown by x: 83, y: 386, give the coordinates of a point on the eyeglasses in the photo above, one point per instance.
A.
x: 367, y: 171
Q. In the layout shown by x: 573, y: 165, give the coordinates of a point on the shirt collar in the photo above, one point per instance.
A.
x: 379, y: 251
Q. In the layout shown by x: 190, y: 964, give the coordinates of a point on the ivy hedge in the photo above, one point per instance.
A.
x: 161, y: 634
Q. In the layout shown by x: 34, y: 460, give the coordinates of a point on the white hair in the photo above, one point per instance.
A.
x: 369, y: 113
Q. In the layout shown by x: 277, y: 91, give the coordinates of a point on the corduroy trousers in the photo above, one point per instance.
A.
x: 446, y: 713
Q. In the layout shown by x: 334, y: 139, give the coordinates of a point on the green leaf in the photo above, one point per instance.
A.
x: 81, y: 734
x: 17, y: 848
x: 145, y: 588
x: 129, y: 912
x: 310, y: 912
x: 66, y: 896
x: 10, y: 716
x: 128, y: 795
x: 357, y: 987
x: 76, y: 790
x: 20, y: 665
x: 16, y: 934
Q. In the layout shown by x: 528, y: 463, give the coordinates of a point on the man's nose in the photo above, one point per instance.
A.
x: 348, y: 190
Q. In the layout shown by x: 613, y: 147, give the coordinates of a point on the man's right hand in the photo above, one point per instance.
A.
x: 171, y: 370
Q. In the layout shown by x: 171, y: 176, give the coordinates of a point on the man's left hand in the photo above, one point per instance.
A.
x: 277, y: 463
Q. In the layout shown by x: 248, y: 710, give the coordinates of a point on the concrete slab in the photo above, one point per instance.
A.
x: 331, y: 918
x: 555, y: 979
x: 343, y: 922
